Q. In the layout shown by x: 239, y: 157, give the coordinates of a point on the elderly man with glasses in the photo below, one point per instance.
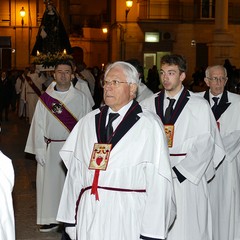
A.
x: 119, y: 183
x: 225, y: 187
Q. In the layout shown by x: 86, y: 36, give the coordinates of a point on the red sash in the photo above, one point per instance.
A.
x: 59, y: 110
x: 33, y: 86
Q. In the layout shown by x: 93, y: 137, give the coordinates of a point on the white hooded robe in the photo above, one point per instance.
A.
x: 139, y: 160
x: 197, y: 150
x: 51, y: 176
x: 225, y: 187
x: 7, y: 222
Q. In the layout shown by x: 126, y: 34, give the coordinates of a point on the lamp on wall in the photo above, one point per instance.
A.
x: 129, y: 4
x: 105, y: 30
x: 22, y: 14
x: 193, y: 43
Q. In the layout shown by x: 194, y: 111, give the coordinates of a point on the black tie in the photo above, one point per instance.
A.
x: 169, y: 110
x: 215, y: 99
x: 109, y: 128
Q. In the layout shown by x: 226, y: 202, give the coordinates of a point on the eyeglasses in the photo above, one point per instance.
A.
x: 114, y: 83
x: 216, y: 79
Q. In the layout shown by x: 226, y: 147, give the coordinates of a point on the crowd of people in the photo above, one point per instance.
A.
x: 20, y: 89
x: 117, y: 160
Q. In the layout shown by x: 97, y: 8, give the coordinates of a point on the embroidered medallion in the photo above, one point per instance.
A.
x: 57, y: 108
x: 169, y: 131
x: 100, y: 156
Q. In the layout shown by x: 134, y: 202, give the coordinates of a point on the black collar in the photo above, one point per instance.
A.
x: 222, y: 105
x: 130, y: 118
x: 182, y: 101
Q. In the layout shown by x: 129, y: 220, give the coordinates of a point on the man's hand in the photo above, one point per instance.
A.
x: 40, y: 160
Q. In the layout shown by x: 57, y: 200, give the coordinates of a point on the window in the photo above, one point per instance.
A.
x: 5, y: 13
x: 208, y: 9
x: 151, y: 36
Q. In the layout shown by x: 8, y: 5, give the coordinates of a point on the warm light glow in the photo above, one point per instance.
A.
x: 151, y: 36
x: 64, y: 51
x: 129, y: 3
x: 22, y: 12
x: 104, y: 30
x: 38, y: 53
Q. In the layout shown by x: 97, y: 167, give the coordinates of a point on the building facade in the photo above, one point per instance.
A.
x: 204, y: 31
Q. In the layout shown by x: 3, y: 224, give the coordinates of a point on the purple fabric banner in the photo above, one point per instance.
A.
x: 59, y: 111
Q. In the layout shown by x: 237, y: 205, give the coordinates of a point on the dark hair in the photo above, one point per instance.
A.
x: 175, y: 59
x: 64, y: 62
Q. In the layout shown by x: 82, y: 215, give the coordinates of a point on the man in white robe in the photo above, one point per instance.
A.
x: 57, y: 111
x: 86, y: 75
x: 195, y: 148
x: 7, y: 222
x: 143, y: 91
x: 82, y: 85
x: 225, y: 187
x: 30, y: 96
x: 19, y: 87
x: 126, y: 193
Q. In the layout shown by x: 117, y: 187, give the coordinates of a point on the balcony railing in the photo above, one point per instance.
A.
x: 183, y: 12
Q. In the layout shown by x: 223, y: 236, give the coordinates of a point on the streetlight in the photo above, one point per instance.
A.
x: 22, y: 14
x: 105, y: 30
x: 129, y: 4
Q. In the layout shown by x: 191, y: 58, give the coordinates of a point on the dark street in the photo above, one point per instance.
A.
x: 12, y: 143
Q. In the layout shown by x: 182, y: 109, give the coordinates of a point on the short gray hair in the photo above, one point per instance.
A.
x: 128, y: 69
x: 215, y: 66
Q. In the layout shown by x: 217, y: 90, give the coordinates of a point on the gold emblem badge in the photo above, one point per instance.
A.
x: 100, y: 156
x: 169, y: 131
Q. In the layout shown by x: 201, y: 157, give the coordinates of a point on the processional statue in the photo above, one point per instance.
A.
x: 52, y: 36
